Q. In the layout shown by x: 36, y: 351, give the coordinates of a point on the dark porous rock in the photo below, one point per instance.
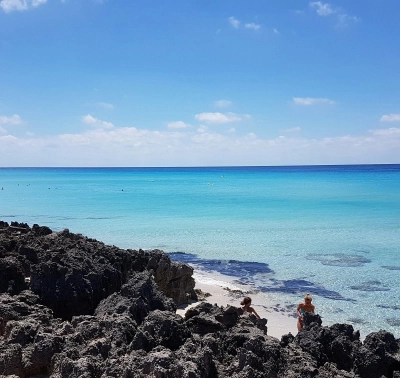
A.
x: 309, y: 318
x: 136, y: 298
x: 10, y: 360
x: 71, y: 306
x: 379, y: 355
x: 12, y: 275
x: 166, y: 329
x: 41, y: 230
x: 174, y: 279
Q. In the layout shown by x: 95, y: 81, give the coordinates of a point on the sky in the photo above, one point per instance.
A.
x: 199, y: 82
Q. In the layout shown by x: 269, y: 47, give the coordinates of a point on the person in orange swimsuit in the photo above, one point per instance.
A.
x: 306, y: 306
x: 246, y: 303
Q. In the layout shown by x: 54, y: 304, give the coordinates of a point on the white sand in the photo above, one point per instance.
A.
x: 279, y: 322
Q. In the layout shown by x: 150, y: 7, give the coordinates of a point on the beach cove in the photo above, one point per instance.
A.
x: 333, y: 231
x: 72, y: 306
x: 281, y: 320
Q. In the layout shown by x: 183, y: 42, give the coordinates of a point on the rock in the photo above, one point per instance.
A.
x: 12, y: 275
x: 136, y: 298
x: 173, y: 278
x: 92, y: 310
x: 166, y: 329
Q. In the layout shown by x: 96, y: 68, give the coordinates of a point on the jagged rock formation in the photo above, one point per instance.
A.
x: 71, y: 306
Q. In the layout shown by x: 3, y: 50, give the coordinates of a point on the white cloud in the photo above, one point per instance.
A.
x: 253, y: 26
x: 276, y: 31
x: 312, y: 101
x: 19, y: 5
x: 105, y: 105
x: 13, y: 120
x: 344, y: 20
x: 232, y: 130
x: 390, y: 118
x: 234, y: 22
x: 129, y: 146
x: 178, y: 125
x: 202, y: 129
x: 321, y: 8
x: 94, y: 122
x: 222, y: 103
x: 384, y: 132
x: 218, y: 117
x: 325, y: 9
x: 2, y: 130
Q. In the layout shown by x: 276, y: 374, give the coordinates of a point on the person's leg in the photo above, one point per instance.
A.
x: 299, y: 325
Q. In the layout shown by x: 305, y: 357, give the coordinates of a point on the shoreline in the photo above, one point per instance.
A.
x: 220, y: 291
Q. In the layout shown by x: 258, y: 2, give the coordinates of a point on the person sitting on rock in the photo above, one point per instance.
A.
x: 302, y: 308
x: 246, y: 303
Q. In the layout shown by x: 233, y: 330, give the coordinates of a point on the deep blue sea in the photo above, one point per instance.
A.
x: 332, y: 231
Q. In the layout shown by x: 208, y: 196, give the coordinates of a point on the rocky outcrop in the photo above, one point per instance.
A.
x: 71, y: 273
x: 91, y: 310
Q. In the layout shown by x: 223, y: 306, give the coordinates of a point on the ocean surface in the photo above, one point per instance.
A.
x: 332, y: 231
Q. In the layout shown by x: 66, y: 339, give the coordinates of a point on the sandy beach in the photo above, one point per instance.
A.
x: 281, y: 320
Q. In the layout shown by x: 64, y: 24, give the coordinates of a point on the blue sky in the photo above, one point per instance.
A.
x: 198, y: 83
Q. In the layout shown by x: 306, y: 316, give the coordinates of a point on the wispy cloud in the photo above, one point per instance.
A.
x: 390, y: 118
x: 325, y: 9
x: 97, y: 123
x: 307, y: 101
x: 253, y: 26
x: 13, y: 120
x: 222, y: 103
x: 384, y: 132
x: 321, y: 8
x: 345, y: 19
x: 276, y: 31
x: 218, y: 117
x: 292, y: 130
x: 249, y: 25
x: 202, y: 129
x: 19, y: 5
x: 178, y: 125
x: 105, y: 105
x: 234, y: 22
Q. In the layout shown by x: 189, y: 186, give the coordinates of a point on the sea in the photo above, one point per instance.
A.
x: 331, y: 231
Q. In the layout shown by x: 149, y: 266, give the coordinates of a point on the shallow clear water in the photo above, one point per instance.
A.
x: 329, y: 230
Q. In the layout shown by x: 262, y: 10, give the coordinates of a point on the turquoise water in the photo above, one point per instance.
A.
x: 330, y: 230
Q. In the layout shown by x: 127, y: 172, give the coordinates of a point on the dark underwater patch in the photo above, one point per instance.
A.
x: 370, y: 286
x: 394, y: 322
x: 394, y: 307
x: 391, y: 267
x: 301, y: 287
x: 356, y: 321
x: 244, y: 270
x: 339, y: 259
